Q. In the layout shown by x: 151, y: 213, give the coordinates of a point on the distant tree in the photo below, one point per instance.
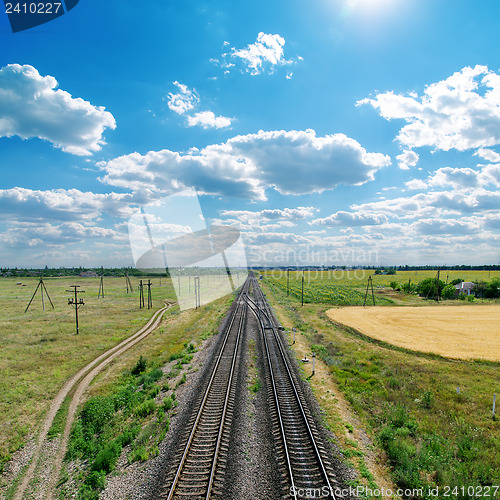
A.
x: 390, y: 271
x: 449, y: 292
x: 456, y: 281
x: 429, y: 287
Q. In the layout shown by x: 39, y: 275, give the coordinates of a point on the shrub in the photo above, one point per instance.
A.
x: 168, y: 402
x: 130, y: 434
x: 146, y: 408
x: 107, y: 457
x: 96, y: 480
x: 97, y: 412
x: 140, y: 366
x: 428, y: 400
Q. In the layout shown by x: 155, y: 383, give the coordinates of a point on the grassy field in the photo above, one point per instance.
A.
x: 39, y: 350
x: 348, y: 287
x: 431, y: 416
x: 466, y: 332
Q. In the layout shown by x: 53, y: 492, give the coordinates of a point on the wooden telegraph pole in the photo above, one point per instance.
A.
x: 101, y: 288
x: 129, y: 283
x: 287, y: 282
x: 368, y: 286
x: 76, y: 302
x: 42, y: 287
x: 302, y: 287
x: 141, y: 295
x: 150, y: 298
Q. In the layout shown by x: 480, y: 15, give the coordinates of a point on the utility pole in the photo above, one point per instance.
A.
x: 287, y: 282
x: 42, y: 287
x: 302, y: 287
x: 129, y: 283
x: 150, y: 298
x: 141, y: 295
x: 369, y: 285
x: 101, y: 288
x: 76, y: 302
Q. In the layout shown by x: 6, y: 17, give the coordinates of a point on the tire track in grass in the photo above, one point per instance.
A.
x: 83, y: 378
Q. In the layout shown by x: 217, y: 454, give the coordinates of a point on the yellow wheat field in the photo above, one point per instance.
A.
x: 466, y: 332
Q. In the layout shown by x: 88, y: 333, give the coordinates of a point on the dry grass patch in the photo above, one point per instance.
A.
x: 464, y: 332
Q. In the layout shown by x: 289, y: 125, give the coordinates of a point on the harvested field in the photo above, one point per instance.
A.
x: 465, y: 332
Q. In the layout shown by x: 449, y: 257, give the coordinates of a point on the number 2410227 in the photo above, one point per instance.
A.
x: 33, y: 8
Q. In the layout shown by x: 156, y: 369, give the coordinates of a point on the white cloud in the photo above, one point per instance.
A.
x: 266, y: 51
x: 185, y: 100
x: 416, y: 184
x: 342, y: 218
x: 264, y: 55
x: 461, y: 112
x: 291, y: 214
x: 435, y: 204
x: 50, y: 235
x: 488, y: 154
x: 207, y: 119
x: 460, y: 179
x: 293, y: 162
x: 440, y: 227
x: 22, y: 204
x: 31, y: 107
x: 407, y: 159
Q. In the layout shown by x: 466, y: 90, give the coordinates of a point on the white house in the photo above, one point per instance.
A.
x: 466, y: 287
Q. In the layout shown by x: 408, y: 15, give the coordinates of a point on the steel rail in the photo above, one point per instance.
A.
x: 205, y: 397
x: 255, y: 305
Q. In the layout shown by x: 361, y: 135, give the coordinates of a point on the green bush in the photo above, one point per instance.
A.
x: 168, y: 402
x: 140, y: 366
x: 146, y: 408
x: 130, y: 434
x: 96, y: 480
x: 107, y: 457
x: 97, y: 413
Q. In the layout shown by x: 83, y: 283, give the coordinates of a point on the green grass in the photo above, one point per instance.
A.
x: 431, y: 435
x: 39, y: 350
x: 131, y: 407
x: 344, y: 287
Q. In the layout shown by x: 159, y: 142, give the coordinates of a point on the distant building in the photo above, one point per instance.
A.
x: 466, y: 287
x: 89, y: 274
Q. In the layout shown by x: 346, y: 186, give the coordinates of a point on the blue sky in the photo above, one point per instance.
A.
x: 328, y: 132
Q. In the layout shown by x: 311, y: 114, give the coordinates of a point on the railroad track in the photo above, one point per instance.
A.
x: 200, y: 465
x: 303, y: 458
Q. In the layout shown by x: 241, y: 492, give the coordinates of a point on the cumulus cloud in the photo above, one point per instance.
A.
x: 435, y: 204
x: 207, y: 119
x: 268, y: 49
x: 264, y: 55
x: 342, y: 218
x: 293, y: 162
x: 290, y: 214
x: 184, y: 100
x: 32, y: 107
x: 61, y: 205
x: 266, y: 238
x: 51, y: 235
x: 407, y: 159
x: 445, y: 227
x: 488, y: 154
x: 460, y: 179
x: 461, y: 112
